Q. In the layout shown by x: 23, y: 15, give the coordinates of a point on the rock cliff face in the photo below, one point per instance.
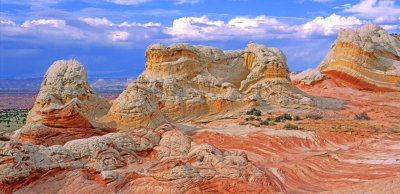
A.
x: 365, y: 58
x: 186, y: 81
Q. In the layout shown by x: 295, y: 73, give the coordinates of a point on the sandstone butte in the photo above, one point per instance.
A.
x: 179, y: 128
x: 365, y: 58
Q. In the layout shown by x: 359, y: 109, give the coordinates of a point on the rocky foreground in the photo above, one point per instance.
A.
x: 184, y: 125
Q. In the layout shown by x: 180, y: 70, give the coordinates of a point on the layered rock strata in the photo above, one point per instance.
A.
x: 66, y: 107
x: 186, y: 81
x: 161, y: 160
x: 364, y: 58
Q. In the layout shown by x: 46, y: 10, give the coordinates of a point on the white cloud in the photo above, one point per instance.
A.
x: 347, y: 5
x: 148, y: 24
x: 128, y: 2
x: 7, y: 22
x: 97, y: 21
x: 179, y: 2
x: 206, y: 29
x: 329, y: 25
x: 105, y: 31
x: 49, y: 22
x: 118, y: 35
x: 374, y: 8
x: 386, y: 19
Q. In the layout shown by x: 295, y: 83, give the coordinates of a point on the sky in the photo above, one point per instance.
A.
x: 109, y: 37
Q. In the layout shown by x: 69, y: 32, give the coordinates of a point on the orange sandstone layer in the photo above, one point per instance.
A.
x: 365, y: 58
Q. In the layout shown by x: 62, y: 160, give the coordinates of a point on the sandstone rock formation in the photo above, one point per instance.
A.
x: 65, y: 84
x: 65, y: 108
x: 308, y: 77
x: 128, y: 161
x: 185, y: 81
x: 364, y: 58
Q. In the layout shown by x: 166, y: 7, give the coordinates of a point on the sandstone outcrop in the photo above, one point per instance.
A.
x: 308, y: 77
x: 186, y: 81
x: 128, y: 161
x: 66, y: 107
x: 364, y: 58
x: 65, y: 84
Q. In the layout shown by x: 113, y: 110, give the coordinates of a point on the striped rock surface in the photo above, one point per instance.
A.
x: 187, y: 81
x: 364, y: 58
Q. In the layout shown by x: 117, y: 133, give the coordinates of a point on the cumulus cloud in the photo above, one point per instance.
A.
x: 98, y: 30
x: 329, y: 25
x: 206, y: 29
x: 50, y: 22
x: 374, y: 8
x: 260, y: 27
x: 97, y: 21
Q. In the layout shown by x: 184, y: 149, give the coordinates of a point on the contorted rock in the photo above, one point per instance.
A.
x: 66, y: 107
x: 129, y: 161
x: 185, y: 81
x: 364, y: 58
x: 65, y: 84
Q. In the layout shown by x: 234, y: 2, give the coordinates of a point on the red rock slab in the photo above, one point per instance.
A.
x: 355, y: 82
x: 64, y: 117
x: 49, y: 136
x: 318, y: 163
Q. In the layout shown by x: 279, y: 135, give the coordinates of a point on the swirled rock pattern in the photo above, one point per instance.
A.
x: 186, y: 81
x: 364, y: 58
x: 129, y: 161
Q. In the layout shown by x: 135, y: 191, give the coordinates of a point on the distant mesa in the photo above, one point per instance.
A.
x: 366, y: 58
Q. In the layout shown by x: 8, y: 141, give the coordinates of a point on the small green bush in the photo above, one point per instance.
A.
x: 297, y: 118
x: 290, y: 126
x: 254, y: 112
x: 265, y: 122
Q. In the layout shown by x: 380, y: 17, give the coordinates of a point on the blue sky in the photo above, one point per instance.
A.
x: 110, y: 36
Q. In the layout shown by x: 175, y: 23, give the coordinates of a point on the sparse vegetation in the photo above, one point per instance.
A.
x: 11, y: 119
x: 254, y: 112
x: 314, y: 116
x: 290, y: 126
x: 375, y: 128
x: 362, y: 116
x: 297, y: 118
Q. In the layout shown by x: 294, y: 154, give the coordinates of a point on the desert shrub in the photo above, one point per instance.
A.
x: 271, y: 122
x: 251, y: 118
x: 286, y: 116
x: 265, y: 122
x: 394, y: 131
x: 314, y: 116
x: 283, y: 118
x: 297, y: 118
x: 254, y: 112
x: 362, y: 116
x: 290, y: 126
